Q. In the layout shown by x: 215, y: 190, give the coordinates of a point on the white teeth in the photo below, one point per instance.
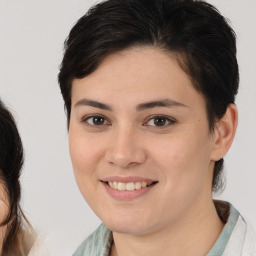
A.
x: 121, y: 186
x: 111, y: 184
x: 115, y: 184
x: 130, y: 186
x: 144, y: 184
x: 137, y: 185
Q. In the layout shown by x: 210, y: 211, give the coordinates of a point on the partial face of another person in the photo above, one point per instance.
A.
x: 140, y: 144
x: 4, y: 210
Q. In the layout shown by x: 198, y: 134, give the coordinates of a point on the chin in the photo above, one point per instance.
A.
x: 127, y: 217
x: 128, y: 224
x: 128, y: 229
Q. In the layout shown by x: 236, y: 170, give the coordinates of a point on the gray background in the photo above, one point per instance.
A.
x: 31, y: 43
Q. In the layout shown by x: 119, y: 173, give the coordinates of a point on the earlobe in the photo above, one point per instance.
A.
x: 224, y: 133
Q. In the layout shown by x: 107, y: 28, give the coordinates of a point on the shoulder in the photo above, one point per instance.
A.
x: 97, y: 244
x: 250, y: 239
x: 39, y: 247
x: 242, y: 239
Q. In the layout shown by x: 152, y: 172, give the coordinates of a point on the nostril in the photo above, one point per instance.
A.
x: 125, y: 158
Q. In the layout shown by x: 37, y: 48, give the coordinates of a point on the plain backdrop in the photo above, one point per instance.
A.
x: 32, y: 33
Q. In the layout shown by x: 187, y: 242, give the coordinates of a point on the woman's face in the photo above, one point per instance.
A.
x: 137, y: 121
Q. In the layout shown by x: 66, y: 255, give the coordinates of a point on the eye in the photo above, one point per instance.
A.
x: 159, y: 121
x: 95, y: 120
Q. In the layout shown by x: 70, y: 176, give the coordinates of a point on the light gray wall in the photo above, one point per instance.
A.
x: 31, y: 42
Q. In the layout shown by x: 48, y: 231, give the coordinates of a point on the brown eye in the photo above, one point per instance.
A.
x: 96, y: 120
x: 160, y: 121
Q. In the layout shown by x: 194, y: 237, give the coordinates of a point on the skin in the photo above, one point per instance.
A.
x: 177, y: 214
x: 3, y: 212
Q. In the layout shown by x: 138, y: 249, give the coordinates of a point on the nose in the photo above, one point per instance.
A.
x: 125, y: 149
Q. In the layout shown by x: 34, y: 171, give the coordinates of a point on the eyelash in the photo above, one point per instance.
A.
x: 168, y: 120
x: 87, y: 118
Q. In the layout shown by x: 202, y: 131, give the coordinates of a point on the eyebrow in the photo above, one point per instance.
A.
x: 159, y: 103
x: 93, y: 103
x: 143, y: 106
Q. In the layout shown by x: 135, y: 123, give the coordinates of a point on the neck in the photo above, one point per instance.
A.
x: 181, y: 238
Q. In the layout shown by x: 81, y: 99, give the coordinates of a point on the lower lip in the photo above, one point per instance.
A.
x: 125, y: 194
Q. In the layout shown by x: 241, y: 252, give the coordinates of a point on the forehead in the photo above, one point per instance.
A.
x: 137, y: 74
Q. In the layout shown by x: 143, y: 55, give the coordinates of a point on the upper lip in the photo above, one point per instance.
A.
x: 127, y: 179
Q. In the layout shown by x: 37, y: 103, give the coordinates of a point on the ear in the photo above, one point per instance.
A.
x: 224, y: 133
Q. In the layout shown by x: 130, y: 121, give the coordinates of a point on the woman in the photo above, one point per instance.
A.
x: 149, y: 89
x: 17, y: 235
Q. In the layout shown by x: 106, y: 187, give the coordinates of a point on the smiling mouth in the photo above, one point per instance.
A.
x: 129, y: 186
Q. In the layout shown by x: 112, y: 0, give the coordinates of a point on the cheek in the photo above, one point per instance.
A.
x: 84, y: 160
x: 4, y: 210
x: 84, y: 153
x: 184, y: 160
x: 184, y: 167
x: 4, y: 205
